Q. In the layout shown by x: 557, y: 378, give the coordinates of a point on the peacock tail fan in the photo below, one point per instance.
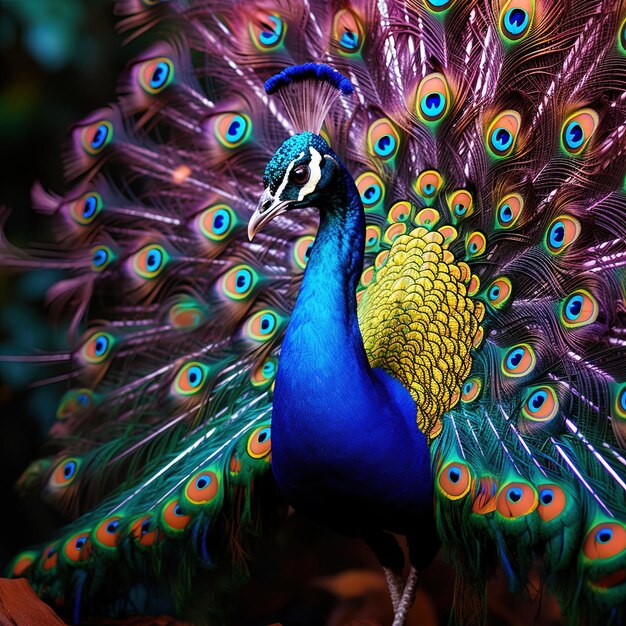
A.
x: 487, y: 140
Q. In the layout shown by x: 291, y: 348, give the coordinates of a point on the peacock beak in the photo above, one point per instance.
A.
x: 266, y: 211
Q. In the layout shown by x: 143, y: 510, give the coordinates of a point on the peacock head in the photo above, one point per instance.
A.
x: 302, y: 173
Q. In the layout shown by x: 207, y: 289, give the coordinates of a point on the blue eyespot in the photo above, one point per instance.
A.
x: 90, y: 206
x: 574, y: 135
x: 203, y: 482
x: 100, y: 136
x: 537, y: 400
x: 514, y: 358
x: 604, y: 535
x: 349, y: 40
x: 467, y: 387
x: 516, y: 21
x: 80, y: 542
x: 271, y: 37
x: 236, y: 129
x: 514, y: 494
x: 69, y: 469
x: 269, y: 369
x: 112, y: 527
x: 574, y: 307
x: 145, y: 527
x: 154, y: 260
x: 556, y: 236
x: 50, y: 552
x: 506, y: 213
x: 385, y: 145
x: 178, y: 511
x: 160, y: 75
x: 267, y: 323
x: 99, y: 257
x: 221, y: 221
x: 433, y: 104
x: 454, y: 475
x: 460, y: 209
x: 494, y: 292
x: 263, y: 435
x: 371, y: 195
x: 546, y: 496
x: 428, y: 189
x: 243, y: 280
x: 101, y: 345
x: 501, y: 139
x: 194, y: 376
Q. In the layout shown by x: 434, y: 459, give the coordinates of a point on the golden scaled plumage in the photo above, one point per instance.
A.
x: 419, y: 323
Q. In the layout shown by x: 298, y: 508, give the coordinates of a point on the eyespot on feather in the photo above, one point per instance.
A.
x: 427, y: 217
x: 85, y: 209
x: 190, y: 379
x: 460, y: 203
x: 579, y: 309
x: 347, y: 32
x: 552, y: 502
x: 174, y: 518
x: 260, y: 442
x: 562, y: 232
x: 65, y: 473
x: 383, y: 140
x: 621, y: 37
x: 367, y: 276
x: 144, y: 531
x: 217, y: 222
x: 150, y: 261
x: 516, y: 18
x: 202, y: 488
x: 97, y: 348
x: 186, y: 315
x: 454, y: 480
x: 232, y: 129
x: 302, y: 250
x: 77, y: 548
x: 499, y: 292
x: 96, y: 137
x: 518, y: 361
x: 619, y: 401
x: 432, y: 101
x: 75, y: 402
x: 371, y: 189
x: 21, y: 564
x: 155, y: 75
x: 372, y: 238
x: 394, y: 231
x: 400, y: 212
x: 577, y: 131
x: 605, y: 540
x: 267, y: 30
x: 108, y: 533
x: 516, y: 499
x: 502, y: 133
x: 265, y: 373
x: 438, y: 6
x: 262, y: 326
x: 101, y: 258
x: 471, y: 389
x: 541, y: 405
x: 50, y: 557
x: 509, y: 210
x: 238, y: 282
x: 428, y: 184
x: 476, y: 244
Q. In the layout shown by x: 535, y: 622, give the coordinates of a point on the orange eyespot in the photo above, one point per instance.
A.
x: 371, y: 189
x: 400, y: 211
x: 144, y: 531
x: 347, y: 32
x: 474, y: 285
x: 174, y: 518
x: 154, y: 75
x: 202, y: 488
x: 476, y: 244
x: 260, y: 442
x: 454, y: 480
x: 372, y: 238
x: 563, y: 231
x: 265, y: 373
x: 262, y: 326
x: 394, y: 231
x: 77, y: 548
x: 552, y: 502
x: 367, y: 276
x: 186, y: 315
x: 75, y: 402
x: 150, y: 261
x: 579, y: 309
x: 22, y: 563
x: 65, y: 473
x: 461, y: 203
x: 516, y: 18
x: 518, y: 360
x: 302, y: 249
x: 541, y: 405
x: 50, y: 557
x: 427, y: 217
x: 232, y: 129
x: 509, y: 210
x: 107, y: 533
x: 516, y: 499
x: 380, y: 259
x: 217, y: 222
x: 432, y: 101
x: 238, y: 282
x: 383, y: 140
x: 190, y: 379
x: 502, y: 133
x: 428, y: 184
x: 471, y: 389
x: 97, y: 348
x: 499, y: 292
x: 605, y: 540
x: 577, y: 131
x: 85, y: 209
x: 267, y: 30
x: 96, y: 137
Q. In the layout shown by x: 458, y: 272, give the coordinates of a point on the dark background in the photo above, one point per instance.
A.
x: 60, y: 60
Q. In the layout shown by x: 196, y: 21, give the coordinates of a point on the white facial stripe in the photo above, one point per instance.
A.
x: 316, y: 174
x: 284, y: 182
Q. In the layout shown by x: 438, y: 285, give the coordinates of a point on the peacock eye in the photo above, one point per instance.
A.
x: 301, y: 174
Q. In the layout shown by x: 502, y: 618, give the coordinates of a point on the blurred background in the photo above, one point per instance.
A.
x: 60, y: 60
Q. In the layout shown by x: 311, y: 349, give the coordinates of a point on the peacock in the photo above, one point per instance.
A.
x: 367, y: 253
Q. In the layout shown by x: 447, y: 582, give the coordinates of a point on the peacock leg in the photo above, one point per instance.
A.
x: 407, y: 599
x: 394, y: 583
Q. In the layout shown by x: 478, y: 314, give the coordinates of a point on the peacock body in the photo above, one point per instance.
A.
x: 441, y: 357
